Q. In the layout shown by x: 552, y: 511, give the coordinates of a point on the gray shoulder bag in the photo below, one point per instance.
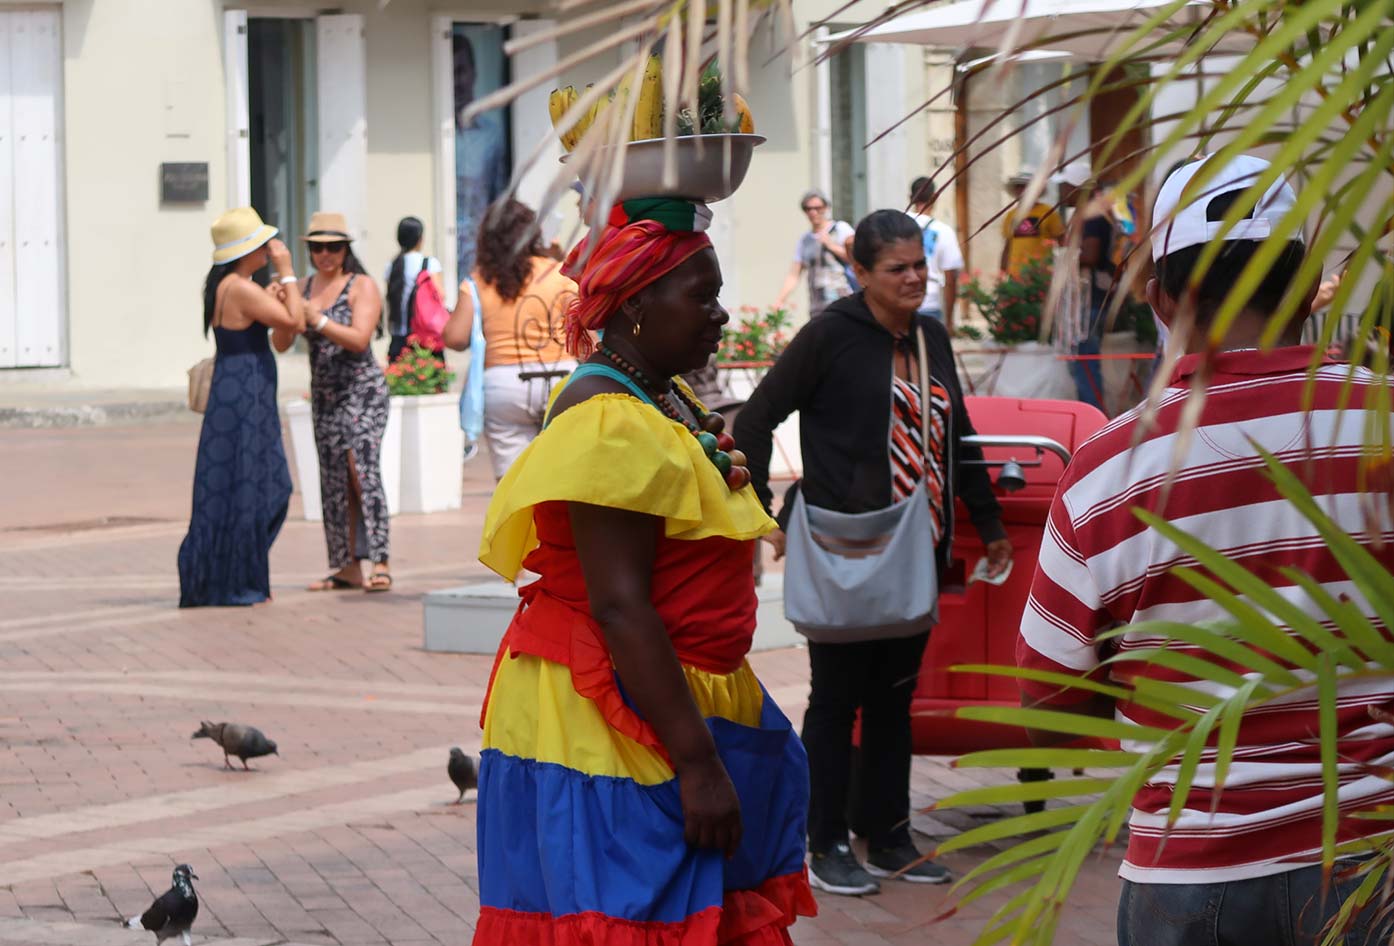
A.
x: 865, y: 576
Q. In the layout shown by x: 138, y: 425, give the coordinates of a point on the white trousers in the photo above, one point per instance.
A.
x: 514, y: 408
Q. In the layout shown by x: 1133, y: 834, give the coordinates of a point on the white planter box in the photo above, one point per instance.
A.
x: 1026, y: 369
x: 432, y: 445
x: 472, y: 618
x: 302, y: 439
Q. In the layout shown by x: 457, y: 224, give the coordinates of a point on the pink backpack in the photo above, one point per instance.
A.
x: 427, y: 308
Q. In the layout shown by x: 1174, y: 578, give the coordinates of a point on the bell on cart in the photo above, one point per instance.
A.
x: 1012, y: 477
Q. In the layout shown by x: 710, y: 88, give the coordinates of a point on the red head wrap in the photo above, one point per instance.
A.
x: 643, y: 241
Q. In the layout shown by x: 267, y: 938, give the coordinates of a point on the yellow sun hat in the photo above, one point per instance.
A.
x: 328, y: 227
x: 239, y: 232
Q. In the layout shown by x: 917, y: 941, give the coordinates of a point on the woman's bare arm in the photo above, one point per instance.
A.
x: 617, y: 550
x: 456, y: 334
x: 366, y: 305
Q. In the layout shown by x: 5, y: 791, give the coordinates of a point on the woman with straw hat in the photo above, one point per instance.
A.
x: 348, y: 397
x: 241, y: 481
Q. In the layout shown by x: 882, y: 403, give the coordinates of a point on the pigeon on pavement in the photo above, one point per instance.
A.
x: 173, y: 912
x: 245, y: 742
x: 462, y: 772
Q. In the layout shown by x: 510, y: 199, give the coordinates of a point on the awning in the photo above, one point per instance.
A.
x: 1054, y: 25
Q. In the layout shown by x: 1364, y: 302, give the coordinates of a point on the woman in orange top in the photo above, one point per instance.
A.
x: 522, y: 299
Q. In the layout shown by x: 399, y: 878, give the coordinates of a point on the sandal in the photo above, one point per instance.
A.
x: 378, y: 582
x: 333, y: 583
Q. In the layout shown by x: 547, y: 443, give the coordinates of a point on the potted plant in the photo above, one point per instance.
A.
x: 431, y: 439
x: 749, y: 345
x: 1013, y: 308
x: 759, y: 337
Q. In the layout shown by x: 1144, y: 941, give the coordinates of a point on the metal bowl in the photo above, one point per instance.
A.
x: 709, y: 167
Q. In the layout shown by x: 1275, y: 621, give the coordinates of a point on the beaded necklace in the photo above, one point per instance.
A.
x: 710, y: 429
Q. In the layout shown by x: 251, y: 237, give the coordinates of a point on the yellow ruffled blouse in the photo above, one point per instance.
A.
x: 616, y: 451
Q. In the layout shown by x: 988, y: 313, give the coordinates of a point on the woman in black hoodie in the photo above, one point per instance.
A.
x: 852, y: 374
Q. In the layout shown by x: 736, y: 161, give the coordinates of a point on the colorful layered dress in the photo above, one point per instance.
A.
x: 580, y: 832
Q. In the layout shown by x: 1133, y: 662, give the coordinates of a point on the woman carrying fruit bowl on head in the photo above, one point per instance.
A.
x: 637, y: 784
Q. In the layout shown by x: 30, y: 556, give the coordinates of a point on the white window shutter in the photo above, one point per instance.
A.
x: 342, y: 83
x: 9, y: 325
x: 36, y: 62
x: 239, y: 145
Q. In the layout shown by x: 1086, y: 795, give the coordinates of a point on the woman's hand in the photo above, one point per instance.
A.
x: 280, y: 258
x: 311, y: 318
x: 277, y: 290
x: 711, y: 809
x: 777, y: 541
x: 999, y: 556
x: 1326, y: 292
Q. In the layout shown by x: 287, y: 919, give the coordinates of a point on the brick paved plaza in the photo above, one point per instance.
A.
x: 349, y: 836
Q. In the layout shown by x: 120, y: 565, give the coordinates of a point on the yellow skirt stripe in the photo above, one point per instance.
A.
x: 534, y: 712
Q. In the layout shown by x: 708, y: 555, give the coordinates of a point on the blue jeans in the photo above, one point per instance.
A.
x: 937, y: 314
x: 1285, y: 909
x: 1088, y: 374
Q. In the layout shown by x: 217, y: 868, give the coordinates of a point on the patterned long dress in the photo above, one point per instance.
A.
x: 241, y: 481
x: 348, y: 398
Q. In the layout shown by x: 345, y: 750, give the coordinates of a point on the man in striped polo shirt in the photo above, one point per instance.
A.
x: 1249, y: 872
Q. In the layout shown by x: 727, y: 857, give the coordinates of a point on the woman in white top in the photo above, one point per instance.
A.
x: 401, y: 278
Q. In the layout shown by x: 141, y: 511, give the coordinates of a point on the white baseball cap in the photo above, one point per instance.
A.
x: 1176, y: 228
x: 1076, y: 174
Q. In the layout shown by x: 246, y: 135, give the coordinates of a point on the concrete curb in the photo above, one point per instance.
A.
x: 94, y: 415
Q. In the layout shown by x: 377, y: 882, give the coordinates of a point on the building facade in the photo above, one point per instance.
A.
x: 127, y: 126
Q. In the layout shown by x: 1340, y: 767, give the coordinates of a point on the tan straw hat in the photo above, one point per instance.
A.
x: 237, y: 233
x: 327, y: 227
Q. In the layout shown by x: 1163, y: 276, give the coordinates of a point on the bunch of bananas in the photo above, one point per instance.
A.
x: 648, y: 111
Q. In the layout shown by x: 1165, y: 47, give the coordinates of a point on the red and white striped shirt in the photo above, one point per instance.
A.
x: 1099, y: 567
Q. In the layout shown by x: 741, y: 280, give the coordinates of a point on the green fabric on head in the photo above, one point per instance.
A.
x: 676, y: 215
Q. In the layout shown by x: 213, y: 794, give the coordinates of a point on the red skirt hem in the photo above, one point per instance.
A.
x: 759, y: 917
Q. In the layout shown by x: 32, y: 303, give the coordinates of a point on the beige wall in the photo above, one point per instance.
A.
x: 137, y: 91
x: 143, y: 86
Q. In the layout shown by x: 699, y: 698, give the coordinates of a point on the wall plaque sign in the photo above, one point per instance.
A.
x: 184, y: 182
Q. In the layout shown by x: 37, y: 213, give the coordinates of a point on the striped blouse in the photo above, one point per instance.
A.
x: 908, y: 456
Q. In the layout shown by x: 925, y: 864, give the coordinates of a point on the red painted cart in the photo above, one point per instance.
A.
x: 1027, y: 443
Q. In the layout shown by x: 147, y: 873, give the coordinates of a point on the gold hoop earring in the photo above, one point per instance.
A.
x: 638, y: 328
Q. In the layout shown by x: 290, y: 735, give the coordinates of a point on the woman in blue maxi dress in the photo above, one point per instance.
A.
x: 242, y: 484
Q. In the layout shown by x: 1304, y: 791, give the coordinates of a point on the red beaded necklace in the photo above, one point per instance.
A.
x: 710, y: 429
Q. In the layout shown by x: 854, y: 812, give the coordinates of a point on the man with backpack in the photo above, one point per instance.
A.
x: 941, y: 252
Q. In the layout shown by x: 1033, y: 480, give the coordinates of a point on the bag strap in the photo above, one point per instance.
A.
x: 606, y: 371
x: 926, y: 393
x: 614, y: 374
x: 926, y: 405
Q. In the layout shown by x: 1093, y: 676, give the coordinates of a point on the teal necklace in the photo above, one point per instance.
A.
x: 710, y: 429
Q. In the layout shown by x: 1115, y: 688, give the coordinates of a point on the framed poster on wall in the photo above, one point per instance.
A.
x: 483, y: 152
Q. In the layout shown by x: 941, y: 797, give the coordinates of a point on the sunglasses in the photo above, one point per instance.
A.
x: 809, y: 208
x: 338, y: 247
